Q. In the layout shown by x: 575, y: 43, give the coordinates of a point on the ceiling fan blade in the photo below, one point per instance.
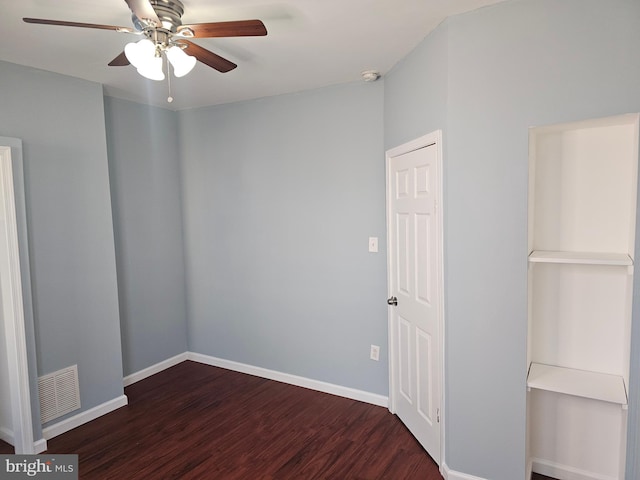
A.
x: 208, y: 58
x: 120, y: 61
x: 144, y: 11
x: 240, y: 28
x: 43, y: 21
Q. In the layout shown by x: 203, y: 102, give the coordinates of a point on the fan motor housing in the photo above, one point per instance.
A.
x: 169, y: 12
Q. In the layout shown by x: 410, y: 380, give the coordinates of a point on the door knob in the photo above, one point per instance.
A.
x: 392, y: 301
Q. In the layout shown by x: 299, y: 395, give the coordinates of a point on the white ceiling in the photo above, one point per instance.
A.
x: 310, y: 44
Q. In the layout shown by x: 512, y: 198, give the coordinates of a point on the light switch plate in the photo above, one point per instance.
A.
x: 375, y: 353
x: 373, y: 244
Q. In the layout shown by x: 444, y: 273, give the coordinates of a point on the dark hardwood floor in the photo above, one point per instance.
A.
x: 194, y: 421
x: 5, y: 448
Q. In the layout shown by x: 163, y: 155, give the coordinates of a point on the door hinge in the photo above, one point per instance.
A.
x: 438, y: 415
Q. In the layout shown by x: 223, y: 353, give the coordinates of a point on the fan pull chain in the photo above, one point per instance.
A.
x: 169, y: 98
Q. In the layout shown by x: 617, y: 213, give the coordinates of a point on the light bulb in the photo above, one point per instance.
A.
x: 181, y: 62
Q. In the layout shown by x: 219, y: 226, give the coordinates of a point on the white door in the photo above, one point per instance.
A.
x: 414, y: 228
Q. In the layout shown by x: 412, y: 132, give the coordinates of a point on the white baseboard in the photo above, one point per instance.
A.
x: 83, y: 417
x: 449, y: 474
x: 40, y: 446
x: 557, y: 470
x: 153, y: 369
x: 6, y: 435
x: 549, y: 469
x: 352, y: 393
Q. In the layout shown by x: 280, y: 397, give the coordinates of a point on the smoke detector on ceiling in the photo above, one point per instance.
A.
x: 370, y: 75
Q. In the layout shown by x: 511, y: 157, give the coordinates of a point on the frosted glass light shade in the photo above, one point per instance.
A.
x: 142, y: 55
x: 181, y: 62
x: 152, y: 69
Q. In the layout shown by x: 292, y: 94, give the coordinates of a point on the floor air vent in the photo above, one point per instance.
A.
x: 59, y: 393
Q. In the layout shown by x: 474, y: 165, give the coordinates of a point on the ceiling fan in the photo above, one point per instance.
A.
x: 159, y: 22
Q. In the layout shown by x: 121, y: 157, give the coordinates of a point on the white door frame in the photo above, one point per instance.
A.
x: 433, y: 138
x: 14, y: 322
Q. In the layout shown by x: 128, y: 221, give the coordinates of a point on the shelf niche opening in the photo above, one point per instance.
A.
x: 582, y: 221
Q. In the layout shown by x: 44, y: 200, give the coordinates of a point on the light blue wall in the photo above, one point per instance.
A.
x: 61, y: 123
x: 280, y: 197
x: 510, y: 66
x: 416, y: 91
x: 144, y: 160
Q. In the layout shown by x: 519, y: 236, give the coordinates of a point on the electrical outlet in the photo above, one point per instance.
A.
x: 375, y: 352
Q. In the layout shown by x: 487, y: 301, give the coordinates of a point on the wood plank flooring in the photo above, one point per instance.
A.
x: 195, y: 421
x: 5, y: 448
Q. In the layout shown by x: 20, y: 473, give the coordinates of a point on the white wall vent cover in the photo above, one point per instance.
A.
x: 59, y: 393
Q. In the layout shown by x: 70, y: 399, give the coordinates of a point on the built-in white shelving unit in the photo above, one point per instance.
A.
x: 581, y: 383
x: 581, y: 258
x: 582, y: 223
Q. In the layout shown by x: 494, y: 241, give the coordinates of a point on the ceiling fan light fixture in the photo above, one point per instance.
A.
x: 180, y: 61
x: 152, y: 69
x: 140, y: 53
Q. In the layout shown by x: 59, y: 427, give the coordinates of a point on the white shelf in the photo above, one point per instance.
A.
x: 581, y: 383
x: 583, y: 258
